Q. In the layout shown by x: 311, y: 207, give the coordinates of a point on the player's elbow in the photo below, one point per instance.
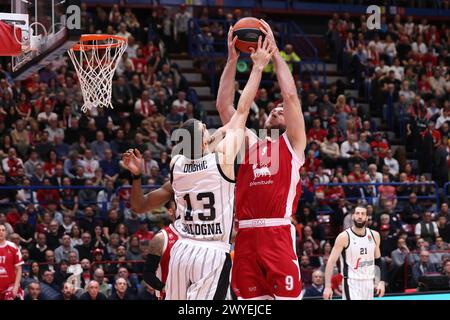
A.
x: 290, y: 95
x: 137, y: 208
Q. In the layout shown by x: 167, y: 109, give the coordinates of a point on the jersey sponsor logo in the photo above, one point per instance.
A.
x: 3, y: 272
x: 364, y: 263
x: 206, y: 229
x: 194, y: 167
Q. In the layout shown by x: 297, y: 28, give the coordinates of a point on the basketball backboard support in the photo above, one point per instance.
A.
x: 54, y: 27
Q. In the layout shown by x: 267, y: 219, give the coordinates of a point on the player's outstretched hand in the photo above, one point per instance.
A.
x: 327, y: 293
x: 233, y: 53
x: 380, y: 289
x: 132, y: 161
x: 263, y: 53
x: 269, y: 33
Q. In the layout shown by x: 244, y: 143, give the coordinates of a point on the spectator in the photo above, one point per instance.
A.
x: 444, y: 228
x: 50, y: 290
x: 110, y: 166
x: 93, y: 292
x: 413, y: 211
x: 317, y: 287
x: 446, y: 269
x: 31, y: 163
x: 399, y: 255
x: 34, y: 291
x: 89, y: 164
x: 87, y: 196
x: 148, y: 163
x: 24, y: 230
x: 392, y: 163
x: 181, y: 103
x: 38, y: 250
x: 154, y: 146
x: 71, y: 164
x: 63, y: 251
x: 427, y: 229
x: 181, y: 28
x: 68, y: 292
x: 38, y: 177
x: 422, y: 267
x: 104, y: 287
x: 12, y: 163
x: 290, y: 56
x: 143, y: 233
x: 99, y: 147
x: 120, y: 292
x: 144, y: 106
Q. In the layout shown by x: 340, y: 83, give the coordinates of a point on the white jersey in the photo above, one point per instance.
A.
x: 205, y: 200
x: 358, y: 258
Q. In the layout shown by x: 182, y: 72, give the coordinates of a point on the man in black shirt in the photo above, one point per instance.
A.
x: 87, y: 223
x: 92, y: 292
x: 85, y: 249
x: 37, y: 250
x: 121, y: 292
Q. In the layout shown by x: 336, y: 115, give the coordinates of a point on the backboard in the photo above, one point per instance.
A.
x: 54, y: 26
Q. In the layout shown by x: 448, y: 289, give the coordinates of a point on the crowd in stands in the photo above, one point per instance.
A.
x: 69, y: 237
x: 404, y: 67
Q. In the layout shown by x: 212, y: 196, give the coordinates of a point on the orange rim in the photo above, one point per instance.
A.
x: 98, y: 37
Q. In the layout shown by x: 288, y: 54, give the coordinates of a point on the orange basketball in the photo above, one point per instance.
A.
x: 247, y: 31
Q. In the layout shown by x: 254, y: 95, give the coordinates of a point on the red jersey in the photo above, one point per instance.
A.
x: 170, y: 237
x: 10, y: 257
x: 268, y: 182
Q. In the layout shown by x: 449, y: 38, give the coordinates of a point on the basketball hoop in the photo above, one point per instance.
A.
x: 95, y: 59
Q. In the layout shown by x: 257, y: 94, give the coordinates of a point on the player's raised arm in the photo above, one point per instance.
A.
x: 140, y: 203
x: 295, y: 123
x: 225, y: 95
x: 380, y: 272
x: 341, y: 243
x: 235, y: 128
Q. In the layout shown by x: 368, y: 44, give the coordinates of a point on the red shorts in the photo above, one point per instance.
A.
x: 265, y: 264
x: 7, y: 294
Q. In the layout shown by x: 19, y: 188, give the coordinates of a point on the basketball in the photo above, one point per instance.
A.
x: 247, y: 31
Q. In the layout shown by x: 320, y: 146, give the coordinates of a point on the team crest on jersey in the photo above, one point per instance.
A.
x: 260, y: 172
x: 3, y: 271
x: 369, y: 237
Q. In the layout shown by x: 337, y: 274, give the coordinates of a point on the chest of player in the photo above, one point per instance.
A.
x: 267, y: 165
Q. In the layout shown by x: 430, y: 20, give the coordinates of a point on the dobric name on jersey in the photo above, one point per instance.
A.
x: 194, y: 167
x: 203, y: 229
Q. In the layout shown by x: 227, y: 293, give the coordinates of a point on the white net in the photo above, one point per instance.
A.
x: 95, y: 59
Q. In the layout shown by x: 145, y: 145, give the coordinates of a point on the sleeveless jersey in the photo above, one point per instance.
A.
x: 268, y: 182
x: 205, y: 200
x: 170, y: 237
x: 358, y: 259
x: 10, y: 257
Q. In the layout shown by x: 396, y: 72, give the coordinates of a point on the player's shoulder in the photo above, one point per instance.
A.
x: 343, y: 237
x: 175, y: 158
x: 11, y: 245
x: 374, y: 233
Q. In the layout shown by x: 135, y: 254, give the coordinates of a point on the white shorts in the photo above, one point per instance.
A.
x: 198, y: 272
x: 357, y: 289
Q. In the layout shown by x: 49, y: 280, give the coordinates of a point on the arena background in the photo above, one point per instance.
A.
x: 376, y: 105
